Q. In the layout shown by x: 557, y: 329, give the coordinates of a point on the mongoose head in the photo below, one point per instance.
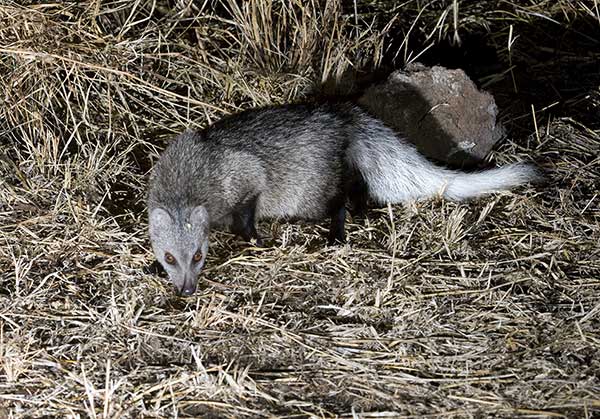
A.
x: 180, y: 243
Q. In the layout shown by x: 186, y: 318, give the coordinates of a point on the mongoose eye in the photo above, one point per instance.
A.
x: 197, y: 256
x: 169, y: 258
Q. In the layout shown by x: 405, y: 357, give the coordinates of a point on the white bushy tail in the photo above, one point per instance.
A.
x: 467, y: 185
x: 395, y: 171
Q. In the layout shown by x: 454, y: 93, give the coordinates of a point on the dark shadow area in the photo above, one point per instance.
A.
x: 125, y: 201
x: 553, y: 68
x: 553, y: 65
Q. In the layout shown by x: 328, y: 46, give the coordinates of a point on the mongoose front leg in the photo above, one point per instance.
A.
x: 244, y: 221
x: 337, y: 233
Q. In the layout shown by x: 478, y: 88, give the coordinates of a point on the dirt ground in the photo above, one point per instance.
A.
x: 487, y: 308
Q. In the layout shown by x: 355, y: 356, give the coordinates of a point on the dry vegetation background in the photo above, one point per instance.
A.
x: 486, y: 308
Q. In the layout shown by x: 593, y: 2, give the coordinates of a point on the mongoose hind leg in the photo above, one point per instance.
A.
x: 358, y: 195
x: 337, y: 233
x: 244, y: 221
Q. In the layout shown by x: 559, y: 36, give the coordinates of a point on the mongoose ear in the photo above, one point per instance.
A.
x: 199, y: 216
x: 159, y: 219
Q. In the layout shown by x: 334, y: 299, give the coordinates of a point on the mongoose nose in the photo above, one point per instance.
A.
x: 186, y: 290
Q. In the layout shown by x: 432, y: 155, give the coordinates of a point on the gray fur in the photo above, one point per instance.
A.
x: 288, y: 162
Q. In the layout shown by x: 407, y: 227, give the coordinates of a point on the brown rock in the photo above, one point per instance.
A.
x: 439, y: 110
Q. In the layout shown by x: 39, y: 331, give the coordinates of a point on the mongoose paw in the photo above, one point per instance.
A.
x: 336, y: 240
x: 257, y: 242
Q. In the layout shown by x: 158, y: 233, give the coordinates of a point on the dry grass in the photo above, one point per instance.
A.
x: 487, y: 308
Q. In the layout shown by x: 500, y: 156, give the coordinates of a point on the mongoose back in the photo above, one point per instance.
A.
x: 290, y: 162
